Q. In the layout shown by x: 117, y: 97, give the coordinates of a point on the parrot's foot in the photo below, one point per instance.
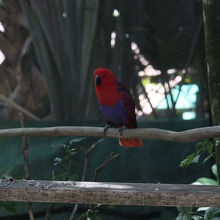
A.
x: 107, y: 126
x: 122, y: 129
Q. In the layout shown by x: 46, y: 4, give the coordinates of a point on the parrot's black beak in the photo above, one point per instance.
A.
x: 98, y: 80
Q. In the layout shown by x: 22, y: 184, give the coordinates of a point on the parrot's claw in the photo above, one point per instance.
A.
x: 122, y: 129
x: 107, y: 126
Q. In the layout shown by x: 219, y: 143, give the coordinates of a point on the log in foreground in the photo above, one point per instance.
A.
x: 139, y: 194
x: 149, y: 133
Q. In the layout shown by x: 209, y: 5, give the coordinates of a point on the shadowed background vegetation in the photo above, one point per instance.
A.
x: 52, y: 48
x: 49, y: 52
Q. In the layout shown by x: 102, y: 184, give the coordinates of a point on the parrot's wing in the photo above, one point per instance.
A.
x: 129, y: 105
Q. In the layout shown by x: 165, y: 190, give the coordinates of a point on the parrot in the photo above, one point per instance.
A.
x: 116, y: 105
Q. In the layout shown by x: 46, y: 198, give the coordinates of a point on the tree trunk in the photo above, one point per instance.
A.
x: 213, y: 66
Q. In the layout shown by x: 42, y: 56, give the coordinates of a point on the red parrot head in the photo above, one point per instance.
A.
x: 104, y: 77
x: 106, y: 87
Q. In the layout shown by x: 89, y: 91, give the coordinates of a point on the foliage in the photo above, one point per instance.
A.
x: 63, y: 36
x: 212, y: 58
x: 91, y: 214
x: 201, y: 148
x: 199, y: 214
x: 64, y: 164
x: 186, y: 213
x: 209, y: 181
x: 61, y: 42
x: 203, y: 213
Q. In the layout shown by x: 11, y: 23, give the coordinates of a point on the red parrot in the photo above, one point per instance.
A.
x: 116, y: 105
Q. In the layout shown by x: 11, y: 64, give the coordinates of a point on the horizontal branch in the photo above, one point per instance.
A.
x: 18, y: 107
x: 110, y: 193
x: 149, y: 133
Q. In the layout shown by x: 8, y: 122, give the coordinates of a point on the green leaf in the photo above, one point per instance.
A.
x: 211, y: 213
x: 208, y: 157
x: 196, y: 217
x: 214, y: 170
x: 184, y: 213
x: 188, y: 79
x: 192, y: 158
x: 145, y: 81
x: 57, y: 161
x: 58, y: 145
x: 183, y: 216
x: 201, y: 147
x: 88, y: 213
x: 207, y: 181
x: 210, y: 147
x: 205, y: 145
x: 196, y: 159
x: 189, y: 159
x: 73, y: 177
x: 184, y: 209
x: 202, y: 209
x: 72, y: 153
x: 77, y: 140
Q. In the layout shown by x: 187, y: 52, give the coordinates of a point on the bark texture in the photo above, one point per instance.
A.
x: 212, y: 45
x: 141, y: 194
x: 148, y: 133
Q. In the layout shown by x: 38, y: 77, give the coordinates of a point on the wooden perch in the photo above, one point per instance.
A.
x: 110, y: 193
x: 149, y: 133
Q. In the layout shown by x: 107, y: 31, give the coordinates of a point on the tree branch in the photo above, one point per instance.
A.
x: 85, y: 168
x: 26, y: 164
x: 49, y: 211
x: 97, y: 171
x: 18, y: 107
x: 148, y: 133
x: 100, y: 167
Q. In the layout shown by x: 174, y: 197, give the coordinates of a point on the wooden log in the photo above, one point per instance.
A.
x: 139, y: 194
x: 149, y: 133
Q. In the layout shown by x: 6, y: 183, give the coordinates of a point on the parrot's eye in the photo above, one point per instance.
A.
x: 105, y: 75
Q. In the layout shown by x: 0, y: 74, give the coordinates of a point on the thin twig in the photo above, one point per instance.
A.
x: 94, y: 145
x: 25, y: 150
x: 99, y: 168
x: 26, y: 164
x: 86, y: 153
x: 97, y: 171
x: 147, y: 97
x: 189, y: 58
x: 85, y: 168
x: 49, y: 211
x: 166, y: 94
x: 50, y: 207
x: 171, y: 96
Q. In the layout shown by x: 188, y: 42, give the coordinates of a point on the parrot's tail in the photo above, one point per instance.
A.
x: 125, y: 142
